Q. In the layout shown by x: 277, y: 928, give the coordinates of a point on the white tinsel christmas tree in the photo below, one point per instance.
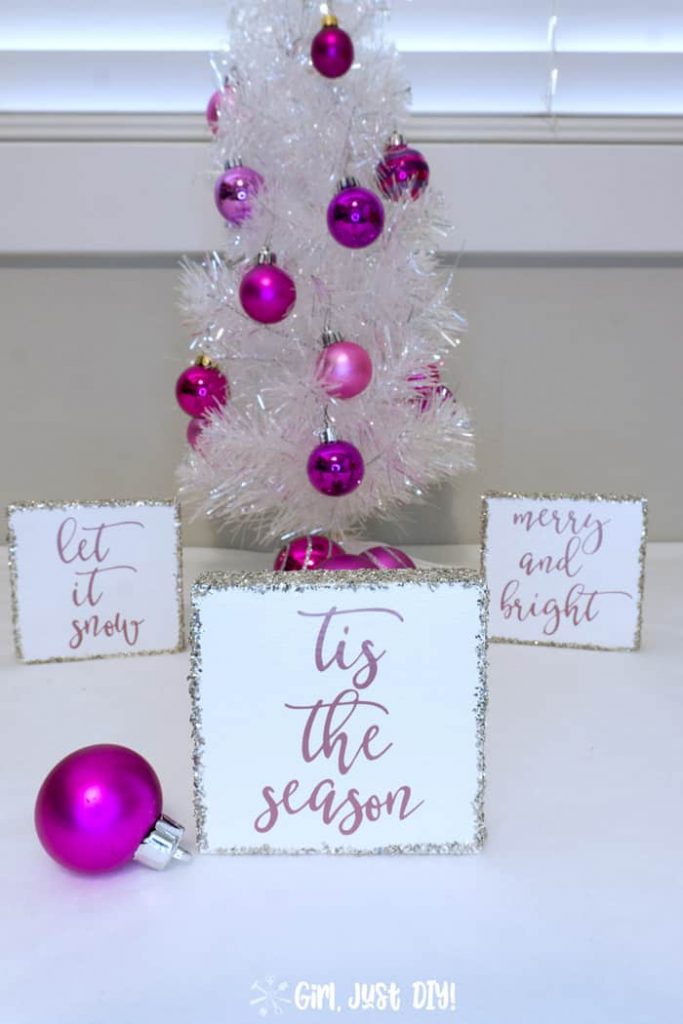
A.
x: 288, y: 129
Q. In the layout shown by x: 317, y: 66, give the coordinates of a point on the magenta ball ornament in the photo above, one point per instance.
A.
x: 355, y: 216
x: 235, y: 191
x: 217, y: 104
x: 335, y: 468
x: 96, y: 807
x: 193, y: 432
x: 346, y: 562
x: 201, y: 388
x: 332, y: 50
x: 403, y: 171
x: 307, y: 552
x: 384, y: 557
x: 344, y: 369
x: 267, y: 293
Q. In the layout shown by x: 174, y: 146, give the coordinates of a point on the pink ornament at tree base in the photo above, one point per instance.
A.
x: 305, y: 553
x: 346, y: 562
x: 101, y: 807
x: 384, y: 557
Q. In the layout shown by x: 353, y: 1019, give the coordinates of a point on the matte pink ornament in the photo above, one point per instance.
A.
x: 200, y: 388
x: 385, y: 557
x: 332, y: 50
x: 235, y: 191
x: 101, y: 807
x: 194, y: 429
x: 267, y: 293
x: 306, y: 553
x: 344, y: 368
x: 403, y: 171
x: 355, y: 216
x: 335, y: 468
x: 347, y: 562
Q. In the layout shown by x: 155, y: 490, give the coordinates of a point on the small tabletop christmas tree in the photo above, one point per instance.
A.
x: 319, y: 330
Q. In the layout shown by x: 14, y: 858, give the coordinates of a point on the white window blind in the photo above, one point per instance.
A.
x: 479, y: 57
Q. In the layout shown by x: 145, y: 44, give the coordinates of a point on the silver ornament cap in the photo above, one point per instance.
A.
x: 349, y: 182
x: 162, y: 845
x: 266, y: 258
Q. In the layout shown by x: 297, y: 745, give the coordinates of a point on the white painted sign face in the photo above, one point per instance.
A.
x: 565, y: 571
x: 95, y: 579
x: 339, y: 711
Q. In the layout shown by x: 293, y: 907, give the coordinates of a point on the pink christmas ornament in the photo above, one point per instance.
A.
x: 306, y: 553
x: 200, y: 388
x: 335, y: 468
x: 403, y: 171
x: 332, y: 49
x: 344, y: 368
x: 431, y: 396
x: 194, y: 429
x: 216, y: 105
x: 267, y: 293
x: 355, y: 216
x: 347, y: 562
x: 101, y: 807
x: 235, y: 192
x: 385, y: 557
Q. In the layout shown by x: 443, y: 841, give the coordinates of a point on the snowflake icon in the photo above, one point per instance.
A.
x: 270, y: 996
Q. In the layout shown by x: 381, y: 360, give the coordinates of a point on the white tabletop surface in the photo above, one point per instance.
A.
x: 571, y: 914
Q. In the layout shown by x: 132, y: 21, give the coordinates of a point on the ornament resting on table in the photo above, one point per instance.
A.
x: 344, y: 368
x: 335, y: 467
x: 347, y: 562
x: 332, y: 49
x: 236, y: 190
x: 216, y: 105
x: 267, y: 293
x: 384, y: 557
x: 306, y: 553
x: 402, y: 171
x: 101, y: 807
x: 355, y: 216
x: 201, y: 388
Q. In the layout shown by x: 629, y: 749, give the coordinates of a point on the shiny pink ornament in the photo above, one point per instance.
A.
x: 347, y: 562
x: 355, y: 216
x: 403, y: 171
x: 201, y: 388
x: 96, y: 807
x: 335, y: 468
x: 267, y: 293
x: 306, y: 553
x: 235, y: 191
x: 344, y: 368
x: 385, y: 557
x: 332, y: 51
x: 194, y: 429
x: 216, y: 105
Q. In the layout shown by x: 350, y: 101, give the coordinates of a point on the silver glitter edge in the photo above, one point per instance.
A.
x: 642, y: 556
x: 21, y: 506
x: 269, y: 582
